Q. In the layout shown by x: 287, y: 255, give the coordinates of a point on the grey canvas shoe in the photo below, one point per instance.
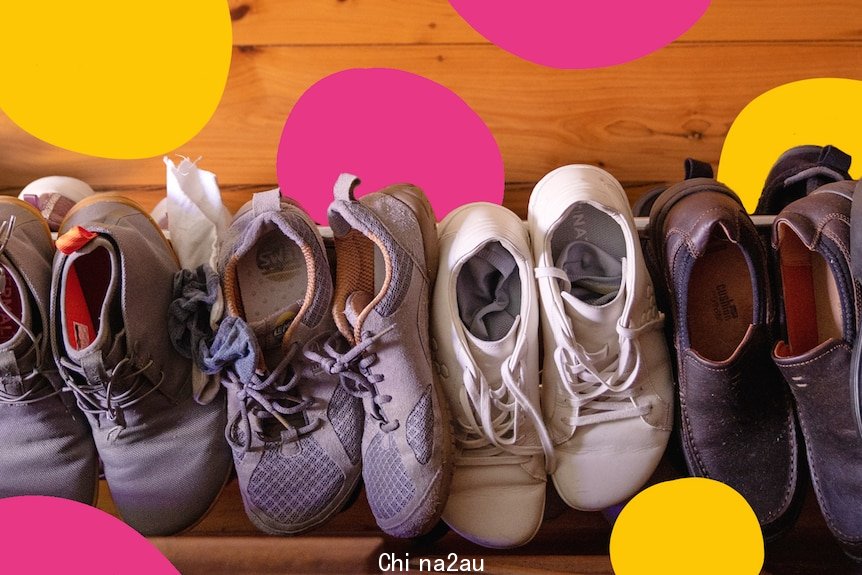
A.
x: 46, y: 448
x: 163, y: 454
x: 295, y: 433
x: 386, y: 251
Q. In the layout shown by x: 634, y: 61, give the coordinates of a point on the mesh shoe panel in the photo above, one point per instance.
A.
x: 294, y: 489
x: 420, y: 428
x: 346, y: 415
x: 387, y: 485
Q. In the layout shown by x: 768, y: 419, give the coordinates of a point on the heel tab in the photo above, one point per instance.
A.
x: 345, y: 186
x: 697, y: 169
x: 269, y: 201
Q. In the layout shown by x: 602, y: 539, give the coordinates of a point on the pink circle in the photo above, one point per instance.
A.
x: 573, y: 34
x: 387, y: 127
x: 52, y: 535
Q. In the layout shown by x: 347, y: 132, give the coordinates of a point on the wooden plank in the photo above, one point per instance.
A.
x: 639, y: 121
x: 269, y: 555
x: 569, y: 541
x: 770, y: 20
x: 321, y: 22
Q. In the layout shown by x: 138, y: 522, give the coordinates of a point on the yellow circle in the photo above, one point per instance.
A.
x: 818, y: 111
x: 114, y: 79
x: 687, y: 526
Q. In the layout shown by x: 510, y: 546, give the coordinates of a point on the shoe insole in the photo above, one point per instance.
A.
x: 272, y: 277
x: 488, y: 291
x: 720, y: 301
x: 87, y: 283
x: 11, y: 297
x: 589, y: 246
x: 812, y: 307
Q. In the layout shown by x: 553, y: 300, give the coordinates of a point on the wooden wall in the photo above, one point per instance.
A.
x: 639, y: 120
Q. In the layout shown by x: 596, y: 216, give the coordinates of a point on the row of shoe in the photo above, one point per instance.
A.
x: 88, y: 372
x: 598, y: 418
x: 331, y: 380
x: 324, y: 382
x: 763, y: 336
x: 338, y: 367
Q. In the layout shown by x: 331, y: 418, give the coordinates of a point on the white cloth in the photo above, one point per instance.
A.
x: 197, y: 220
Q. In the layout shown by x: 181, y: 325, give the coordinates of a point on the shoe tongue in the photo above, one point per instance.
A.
x: 597, y: 297
x: 270, y: 330
x: 595, y: 274
x: 489, y: 292
x: 489, y: 355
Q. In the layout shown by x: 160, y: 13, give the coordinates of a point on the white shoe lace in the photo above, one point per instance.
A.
x: 490, y: 420
x: 599, y: 395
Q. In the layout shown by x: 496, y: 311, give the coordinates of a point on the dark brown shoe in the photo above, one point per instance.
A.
x: 798, y: 172
x: 736, y: 416
x: 821, y: 307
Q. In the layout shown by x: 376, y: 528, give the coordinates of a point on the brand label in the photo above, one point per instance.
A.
x: 275, y: 262
x: 577, y: 221
x: 723, y: 306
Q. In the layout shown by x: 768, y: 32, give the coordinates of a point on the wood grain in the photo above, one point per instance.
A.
x: 302, y: 22
x: 639, y: 124
x: 264, y: 555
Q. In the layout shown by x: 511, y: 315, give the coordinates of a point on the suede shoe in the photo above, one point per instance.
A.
x: 386, y: 254
x: 821, y: 309
x: 163, y: 455
x: 798, y: 172
x: 47, y: 448
x: 294, y: 431
x: 736, y: 417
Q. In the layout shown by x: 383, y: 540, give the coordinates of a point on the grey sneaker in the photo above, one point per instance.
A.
x: 295, y: 433
x: 386, y: 252
x: 47, y: 448
x: 163, y: 454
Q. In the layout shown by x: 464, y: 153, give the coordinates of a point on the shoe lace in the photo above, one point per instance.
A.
x: 267, y: 396
x: 500, y: 411
x: 354, y: 370
x: 599, y: 395
x: 36, y: 391
x: 104, y: 398
x: 263, y: 395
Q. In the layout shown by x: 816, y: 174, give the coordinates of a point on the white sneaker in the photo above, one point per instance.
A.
x: 485, y: 325
x: 607, y: 388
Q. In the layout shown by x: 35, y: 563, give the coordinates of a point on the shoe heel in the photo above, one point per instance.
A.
x: 415, y: 199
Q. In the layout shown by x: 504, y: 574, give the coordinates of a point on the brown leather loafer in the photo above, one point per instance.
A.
x: 736, y: 416
x: 821, y: 307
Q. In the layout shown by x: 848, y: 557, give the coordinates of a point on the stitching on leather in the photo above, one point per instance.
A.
x: 842, y: 345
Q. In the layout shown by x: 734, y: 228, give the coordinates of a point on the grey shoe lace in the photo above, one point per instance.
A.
x: 102, y: 397
x: 354, y: 370
x: 37, y: 391
x: 263, y: 396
